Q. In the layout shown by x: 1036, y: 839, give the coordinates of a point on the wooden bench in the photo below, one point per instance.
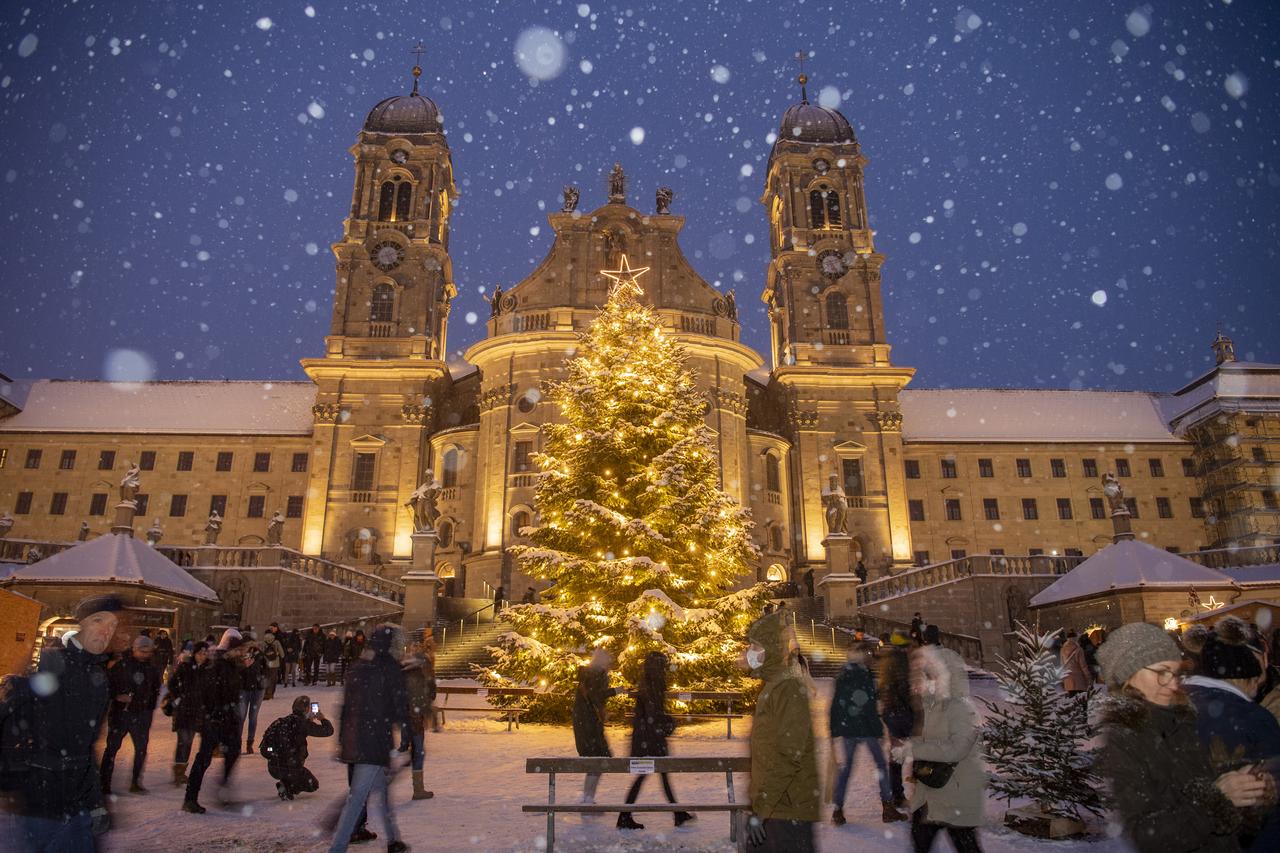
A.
x: 728, y: 697
x: 726, y: 764
x: 511, y: 715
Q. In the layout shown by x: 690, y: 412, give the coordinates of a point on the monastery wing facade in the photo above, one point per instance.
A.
x: 928, y: 475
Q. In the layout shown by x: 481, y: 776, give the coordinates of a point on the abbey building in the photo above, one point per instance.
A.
x: 929, y: 475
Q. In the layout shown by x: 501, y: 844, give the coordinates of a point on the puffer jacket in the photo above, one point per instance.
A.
x: 186, y: 696
x: 949, y: 733
x: 784, y: 765
x: 853, y: 705
x: 589, y: 711
x: 1161, y: 780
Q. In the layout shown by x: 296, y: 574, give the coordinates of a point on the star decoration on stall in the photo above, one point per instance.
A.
x: 1211, y: 604
x: 625, y: 276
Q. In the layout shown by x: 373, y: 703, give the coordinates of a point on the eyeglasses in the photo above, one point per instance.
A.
x: 1164, y: 676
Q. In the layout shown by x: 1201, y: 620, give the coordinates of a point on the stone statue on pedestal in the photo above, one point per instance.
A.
x: 83, y: 535
x: 6, y: 524
x: 275, y: 528
x: 1114, y: 491
x: 570, y: 200
x: 665, y: 196
x: 130, y: 483
x: 212, y: 528
x: 617, y: 185
x: 154, y: 533
x: 836, y: 504
x: 422, y: 503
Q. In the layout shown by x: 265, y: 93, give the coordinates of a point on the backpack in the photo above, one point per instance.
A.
x: 275, y: 745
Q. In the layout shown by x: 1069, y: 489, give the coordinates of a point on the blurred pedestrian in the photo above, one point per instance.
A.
x: 897, y: 708
x: 590, y: 714
x: 135, y: 690
x: 292, y: 644
x: 855, y: 721
x: 253, y: 675
x: 1076, y: 677
x: 164, y: 652
x: 312, y: 654
x: 420, y: 679
x: 220, y: 720
x: 332, y: 656
x: 272, y: 654
x: 185, y: 702
x: 652, y: 725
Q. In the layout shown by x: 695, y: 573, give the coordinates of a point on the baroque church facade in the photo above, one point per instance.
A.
x: 929, y: 475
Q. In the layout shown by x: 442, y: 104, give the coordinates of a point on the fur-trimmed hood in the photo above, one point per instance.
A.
x: 947, y: 669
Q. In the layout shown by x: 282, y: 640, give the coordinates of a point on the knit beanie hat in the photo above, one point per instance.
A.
x: 231, y: 639
x: 98, y: 604
x: 1131, y: 647
x: 1226, y: 654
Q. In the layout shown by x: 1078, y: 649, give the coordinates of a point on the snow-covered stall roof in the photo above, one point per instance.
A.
x: 987, y: 414
x: 115, y: 558
x: 1128, y: 565
x: 236, y: 407
x: 1232, y: 384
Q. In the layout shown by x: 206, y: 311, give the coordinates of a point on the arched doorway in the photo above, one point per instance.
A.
x: 775, y: 573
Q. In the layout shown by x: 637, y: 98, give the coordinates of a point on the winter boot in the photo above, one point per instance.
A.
x: 135, y: 787
x: 837, y: 817
x: 888, y: 814
x: 361, y: 834
x: 626, y: 821
x: 419, y: 791
x: 684, y: 817
x: 397, y: 847
x: 248, y: 747
x: 179, y: 774
x: 192, y: 806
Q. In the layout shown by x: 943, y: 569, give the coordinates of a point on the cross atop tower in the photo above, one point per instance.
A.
x: 803, y: 78
x: 417, y: 52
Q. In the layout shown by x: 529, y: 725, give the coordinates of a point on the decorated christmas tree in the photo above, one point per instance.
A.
x: 1036, y: 735
x: 640, y: 545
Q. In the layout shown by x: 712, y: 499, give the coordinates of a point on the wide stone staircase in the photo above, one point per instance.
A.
x: 459, y: 648
x: 824, y: 646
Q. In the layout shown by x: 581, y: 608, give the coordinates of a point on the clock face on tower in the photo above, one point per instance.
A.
x: 387, y: 256
x: 832, y: 264
x: 399, y: 155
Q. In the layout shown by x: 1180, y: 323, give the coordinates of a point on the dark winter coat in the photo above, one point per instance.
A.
x: 420, y: 679
x: 187, y: 697
x: 292, y: 643
x: 140, y: 680
x: 1236, y: 732
x: 220, y: 690
x: 589, y: 712
x: 853, y: 705
x: 651, y: 724
x: 313, y: 643
x: 374, y: 704
x: 253, y: 673
x: 897, y: 710
x: 1161, y: 780
x: 164, y: 653
x: 333, y: 649
x: 50, y: 768
x: 295, y: 729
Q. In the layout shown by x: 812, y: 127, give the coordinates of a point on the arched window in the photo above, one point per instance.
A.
x: 775, y: 537
x: 837, y: 311
x: 444, y: 533
x: 382, y: 305
x: 404, y: 195
x: 772, y: 474
x: 450, y: 478
x: 824, y: 207
x: 386, y: 201
x: 519, y: 519
x: 776, y: 573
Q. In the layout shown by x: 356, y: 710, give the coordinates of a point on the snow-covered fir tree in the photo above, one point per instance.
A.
x: 1036, y: 736
x: 640, y: 545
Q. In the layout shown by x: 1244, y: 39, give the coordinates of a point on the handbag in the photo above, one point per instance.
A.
x: 935, y: 774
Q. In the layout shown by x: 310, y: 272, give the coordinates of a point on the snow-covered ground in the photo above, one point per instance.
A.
x: 477, y: 770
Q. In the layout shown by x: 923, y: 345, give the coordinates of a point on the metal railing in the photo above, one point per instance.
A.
x: 291, y: 559
x: 924, y: 577
x: 969, y: 648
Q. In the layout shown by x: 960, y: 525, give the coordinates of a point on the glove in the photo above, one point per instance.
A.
x: 755, y: 831
x: 99, y: 821
x: 901, y: 754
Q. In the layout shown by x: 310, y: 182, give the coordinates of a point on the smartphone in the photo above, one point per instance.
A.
x: 315, y: 708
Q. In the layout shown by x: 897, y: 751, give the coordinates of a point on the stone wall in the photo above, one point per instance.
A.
x: 262, y: 595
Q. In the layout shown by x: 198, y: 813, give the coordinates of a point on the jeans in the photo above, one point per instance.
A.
x: 186, y: 738
x: 785, y: 836
x: 225, y: 734
x: 923, y: 833
x: 135, y: 724
x: 366, y: 780
x: 250, y: 702
x: 289, y: 674
x: 846, y: 770
x: 417, y: 743
x: 273, y: 678
x: 51, y: 835
x: 311, y: 670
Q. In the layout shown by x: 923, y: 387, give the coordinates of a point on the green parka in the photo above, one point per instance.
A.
x: 784, y: 765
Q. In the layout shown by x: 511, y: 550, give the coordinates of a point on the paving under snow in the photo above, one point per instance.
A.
x: 477, y: 770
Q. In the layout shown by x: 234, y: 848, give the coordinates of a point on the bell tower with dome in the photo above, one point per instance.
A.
x: 383, y: 374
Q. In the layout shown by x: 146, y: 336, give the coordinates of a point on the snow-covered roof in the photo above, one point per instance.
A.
x: 241, y: 407
x: 1263, y: 573
x: 1129, y: 565
x: 986, y: 414
x: 1232, y: 384
x: 117, y: 558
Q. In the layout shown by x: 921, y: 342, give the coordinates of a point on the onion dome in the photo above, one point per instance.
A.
x: 405, y: 114
x: 806, y: 122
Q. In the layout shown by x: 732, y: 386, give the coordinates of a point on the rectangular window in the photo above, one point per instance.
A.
x: 33, y: 458
x: 362, y: 473
x: 218, y: 504
x: 948, y: 469
x: 1064, y: 509
x: 257, y: 506
x: 958, y: 553
x: 299, y: 465
x: 996, y: 552
x: 261, y: 463
x: 143, y: 502
x: 1030, y: 511
x: 98, y: 504
x: 911, y: 467
x: 1097, y: 509
x: 186, y: 460
x: 1058, y: 467
x: 1188, y: 467
x: 1269, y: 499
x: 1197, y: 507
x: 1073, y: 552
x: 985, y: 468
x: 58, y: 504
x: 22, y: 506
x: 1090, y: 468
x: 1173, y: 549
x: 1156, y: 466
x: 1024, y: 468
x: 293, y: 508
x: 1259, y: 455
x: 1122, y: 468
x: 147, y: 460
x: 68, y: 460
x: 224, y: 461
x: 106, y: 460
x: 915, y: 510
x: 852, y: 470
x: 953, y: 509
x: 991, y: 509
x: 177, y: 506
x: 1132, y: 504
x: 1035, y: 552
x: 520, y: 459
x: 1163, y: 508
x: 922, y: 558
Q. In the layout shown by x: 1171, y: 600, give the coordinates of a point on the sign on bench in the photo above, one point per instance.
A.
x: 726, y: 764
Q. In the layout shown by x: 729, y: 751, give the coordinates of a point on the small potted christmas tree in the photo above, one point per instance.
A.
x: 1036, y: 743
